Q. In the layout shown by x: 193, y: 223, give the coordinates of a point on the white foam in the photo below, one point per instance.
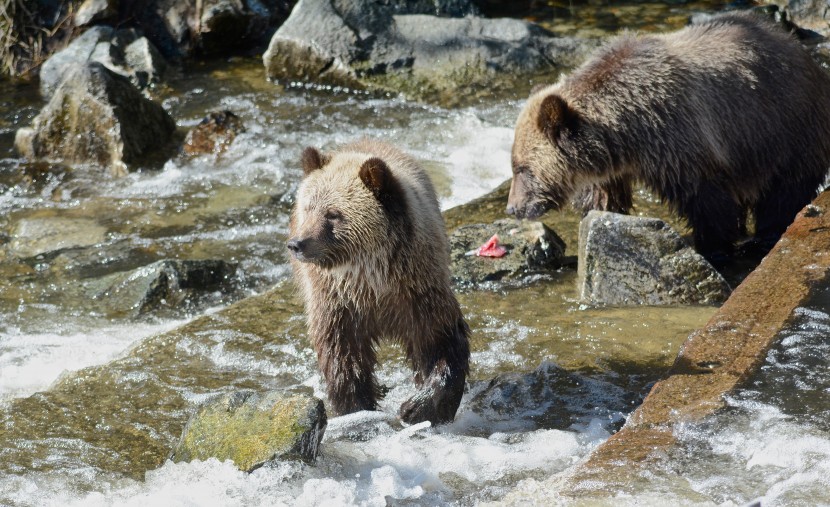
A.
x: 479, y: 161
x: 30, y: 362
x: 762, y: 454
x: 405, y: 465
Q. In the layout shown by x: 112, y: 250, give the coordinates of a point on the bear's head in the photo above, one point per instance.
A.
x: 556, y: 151
x: 345, y: 208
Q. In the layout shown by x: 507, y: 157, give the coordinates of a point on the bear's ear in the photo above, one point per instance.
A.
x: 312, y: 160
x: 375, y: 175
x: 556, y: 117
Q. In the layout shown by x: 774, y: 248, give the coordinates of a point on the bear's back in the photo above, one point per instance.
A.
x: 726, y: 56
x: 733, y: 91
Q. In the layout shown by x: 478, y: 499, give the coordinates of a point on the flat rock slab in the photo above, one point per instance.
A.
x: 722, y: 355
x: 254, y: 428
x: 628, y: 260
x: 532, y: 247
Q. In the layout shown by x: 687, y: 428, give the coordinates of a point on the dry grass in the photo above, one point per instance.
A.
x: 24, y: 42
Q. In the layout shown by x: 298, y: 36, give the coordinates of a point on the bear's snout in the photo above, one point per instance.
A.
x: 298, y: 248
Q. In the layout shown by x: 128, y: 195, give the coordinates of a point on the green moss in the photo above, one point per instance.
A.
x: 260, y: 429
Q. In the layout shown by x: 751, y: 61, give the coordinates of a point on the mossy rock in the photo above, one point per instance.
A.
x: 254, y: 428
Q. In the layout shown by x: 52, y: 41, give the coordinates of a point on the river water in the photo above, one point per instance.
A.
x: 769, y: 444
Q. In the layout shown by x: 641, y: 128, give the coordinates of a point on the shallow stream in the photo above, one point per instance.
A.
x: 90, y: 402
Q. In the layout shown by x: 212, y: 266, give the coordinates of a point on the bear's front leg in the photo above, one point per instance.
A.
x: 441, y: 374
x: 346, y: 356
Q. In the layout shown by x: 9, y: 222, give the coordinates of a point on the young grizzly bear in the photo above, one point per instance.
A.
x: 371, y: 256
x: 720, y: 118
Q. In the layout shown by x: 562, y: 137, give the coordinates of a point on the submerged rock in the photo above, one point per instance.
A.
x: 374, y: 45
x: 213, y: 134
x: 626, y: 260
x: 101, y: 259
x: 162, y: 284
x: 124, y: 52
x: 254, y: 428
x: 532, y: 247
x: 548, y: 397
x: 32, y: 237
x: 96, y: 116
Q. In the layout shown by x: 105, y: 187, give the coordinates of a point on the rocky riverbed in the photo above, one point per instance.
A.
x: 146, y: 274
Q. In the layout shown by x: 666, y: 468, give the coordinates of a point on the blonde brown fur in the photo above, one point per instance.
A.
x: 719, y: 118
x: 371, y: 256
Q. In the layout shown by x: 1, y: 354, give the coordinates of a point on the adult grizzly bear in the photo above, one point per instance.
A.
x: 370, y: 252
x: 722, y: 117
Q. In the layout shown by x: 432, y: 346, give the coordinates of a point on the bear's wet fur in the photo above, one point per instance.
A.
x: 371, y: 256
x: 721, y: 118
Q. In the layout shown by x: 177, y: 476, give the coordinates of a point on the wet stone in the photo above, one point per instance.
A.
x: 626, y: 260
x: 532, y: 247
x: 213, y: 134
x: 101, y: 259
x: 548, y: 397
x: 97, y: 117
x: 254, y: 428
x: 167, y: 284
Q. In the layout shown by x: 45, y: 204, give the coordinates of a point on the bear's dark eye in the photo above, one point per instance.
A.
x: 519, y: 169
x: 334, y: 215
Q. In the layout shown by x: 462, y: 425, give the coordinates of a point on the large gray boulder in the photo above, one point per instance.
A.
x: 532, y: 247
x: 375, y: 45
x: 97, y: 117
x: 627, y: 260
x: 124, y: 52
x: 254, y: 428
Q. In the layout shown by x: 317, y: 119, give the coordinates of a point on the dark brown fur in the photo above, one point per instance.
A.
x: 720, y: 118
x: 370, y: 253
